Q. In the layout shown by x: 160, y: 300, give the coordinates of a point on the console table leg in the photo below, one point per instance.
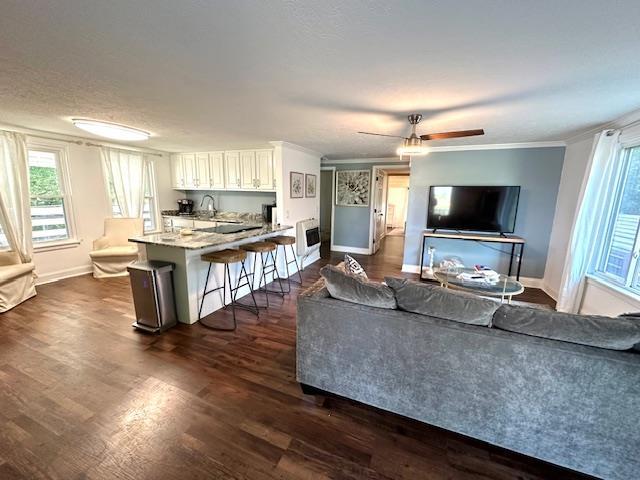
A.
x: 424, y: 239
x: 520, y: 261
x: 513, y: 251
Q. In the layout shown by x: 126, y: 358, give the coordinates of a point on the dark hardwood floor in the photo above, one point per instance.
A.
x: 83, y: 395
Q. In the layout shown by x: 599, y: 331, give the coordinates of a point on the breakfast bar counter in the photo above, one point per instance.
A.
x: 189, y: 275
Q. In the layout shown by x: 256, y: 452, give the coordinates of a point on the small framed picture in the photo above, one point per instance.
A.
x: 310, y: 185
x: 296, y: 185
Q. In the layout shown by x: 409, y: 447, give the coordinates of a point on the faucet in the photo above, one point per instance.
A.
x: 210, y: 206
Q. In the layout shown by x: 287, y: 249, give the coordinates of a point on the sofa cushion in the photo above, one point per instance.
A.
x: 356, y: 289
x: 603, y: 332
x: 440, y: 302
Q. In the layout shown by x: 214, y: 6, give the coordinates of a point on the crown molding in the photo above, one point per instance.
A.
x: 293, y: 146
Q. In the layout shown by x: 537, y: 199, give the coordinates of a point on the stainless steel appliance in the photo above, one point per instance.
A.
x: 267, y: 212
x: 152, y: 288
x: 185, y: 206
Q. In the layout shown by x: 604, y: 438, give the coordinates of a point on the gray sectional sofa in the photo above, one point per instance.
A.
x: 572, y: 405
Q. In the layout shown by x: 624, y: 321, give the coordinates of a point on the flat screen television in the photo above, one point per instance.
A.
x: 473, y: 208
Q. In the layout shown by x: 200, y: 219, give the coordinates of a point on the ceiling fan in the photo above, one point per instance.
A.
x: 413, y: 144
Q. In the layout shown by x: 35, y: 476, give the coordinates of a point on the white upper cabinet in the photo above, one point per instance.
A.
x: 177, y: 172
x: 190, y: 169
x: 232, y: 169
x: 216, y: 170
x: 265, y: 178
x: 248, y: 170
x: 202, y: 171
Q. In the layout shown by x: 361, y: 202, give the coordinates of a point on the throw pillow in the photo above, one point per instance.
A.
x: 435, y: 301
x: 620, y: 333
x: 352, y: 266
x: 356, y: 289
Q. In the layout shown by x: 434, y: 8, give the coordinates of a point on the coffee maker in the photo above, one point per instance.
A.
x: 185, y: 206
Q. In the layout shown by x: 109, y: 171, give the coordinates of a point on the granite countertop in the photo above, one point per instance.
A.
x: 218, y: 217
x: 206, y: 239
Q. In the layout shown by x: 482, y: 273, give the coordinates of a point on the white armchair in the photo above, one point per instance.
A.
x: 17, y: 280
x: 113, y: 253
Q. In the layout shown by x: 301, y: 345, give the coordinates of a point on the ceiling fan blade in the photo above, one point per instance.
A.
x: 459, y: 133
x: 382, y: 135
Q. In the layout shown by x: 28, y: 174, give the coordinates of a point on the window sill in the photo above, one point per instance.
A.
x: 617, y: 290
x: 48, y: 247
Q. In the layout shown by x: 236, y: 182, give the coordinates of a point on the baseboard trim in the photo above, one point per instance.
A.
x: 528, y: 282
x: 347, y: 249
x: 62, y: 274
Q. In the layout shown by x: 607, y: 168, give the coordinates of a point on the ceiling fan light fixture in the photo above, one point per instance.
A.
x: 110, y: 130
x: 413, y: 146
x: 413, y: 151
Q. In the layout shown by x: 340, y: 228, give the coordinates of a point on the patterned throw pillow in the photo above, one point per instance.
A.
x: 352, y: 267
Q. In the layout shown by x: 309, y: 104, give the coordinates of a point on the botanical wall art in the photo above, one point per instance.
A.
x: 353, y: 188
x: 296, y: 185
x: 310, y: 182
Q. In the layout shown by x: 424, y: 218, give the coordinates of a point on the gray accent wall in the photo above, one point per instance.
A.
x: 229, y: 201
x: 536, y: 170
x: 351, y: 224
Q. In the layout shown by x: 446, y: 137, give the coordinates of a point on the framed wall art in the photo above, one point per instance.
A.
x: 353, y: 188
x: 296, y: 185
x: 310, y: 185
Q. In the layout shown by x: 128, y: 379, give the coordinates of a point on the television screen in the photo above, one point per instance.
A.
x: 473, y: 208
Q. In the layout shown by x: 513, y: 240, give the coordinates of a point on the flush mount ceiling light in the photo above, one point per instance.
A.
x: 111, y: 130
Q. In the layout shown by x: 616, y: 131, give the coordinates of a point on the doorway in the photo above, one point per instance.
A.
x: 327, y: 195
x: 397, y: 203
x: 390, y: 197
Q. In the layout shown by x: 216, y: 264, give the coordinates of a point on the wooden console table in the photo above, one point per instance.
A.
x: 512, y: 240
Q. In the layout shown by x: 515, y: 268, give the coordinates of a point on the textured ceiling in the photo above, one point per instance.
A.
x: 234, y: 74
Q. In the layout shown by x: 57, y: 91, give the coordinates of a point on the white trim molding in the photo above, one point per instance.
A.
x: 62, y: 274
x: 451, y: 148
x: 347, y: 249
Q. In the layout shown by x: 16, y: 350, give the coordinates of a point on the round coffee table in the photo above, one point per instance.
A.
x: 505, y: 288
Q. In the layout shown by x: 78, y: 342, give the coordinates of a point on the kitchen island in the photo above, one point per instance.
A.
x: 184, y: 251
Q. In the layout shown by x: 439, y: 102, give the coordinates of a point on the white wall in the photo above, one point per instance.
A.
x: 293, y: 158
x: 90, y: 207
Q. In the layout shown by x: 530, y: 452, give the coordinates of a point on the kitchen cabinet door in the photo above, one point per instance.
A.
x: 265, y: 179
x: 202, y: 170
x: 177, y: 172
x: 182, y: 223
x: 190, y: 170
x: 216, y: 170
x: 232, y: 170
x: 248, y: 170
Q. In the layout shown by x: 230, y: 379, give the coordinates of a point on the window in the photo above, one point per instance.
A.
x: 619, y: 256
x: 51, y: 219
x: 150, y: 210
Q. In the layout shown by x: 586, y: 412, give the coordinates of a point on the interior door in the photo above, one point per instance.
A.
x: 379, y: 210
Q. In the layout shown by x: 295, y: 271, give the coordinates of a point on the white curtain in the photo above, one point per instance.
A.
x: 15, y: 209
x: 589, y: 221
x: 126, y: 171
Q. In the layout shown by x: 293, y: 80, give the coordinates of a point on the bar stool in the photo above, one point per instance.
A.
x: 227, y: 257
x: 264, y: 248
x: 284, y: 241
